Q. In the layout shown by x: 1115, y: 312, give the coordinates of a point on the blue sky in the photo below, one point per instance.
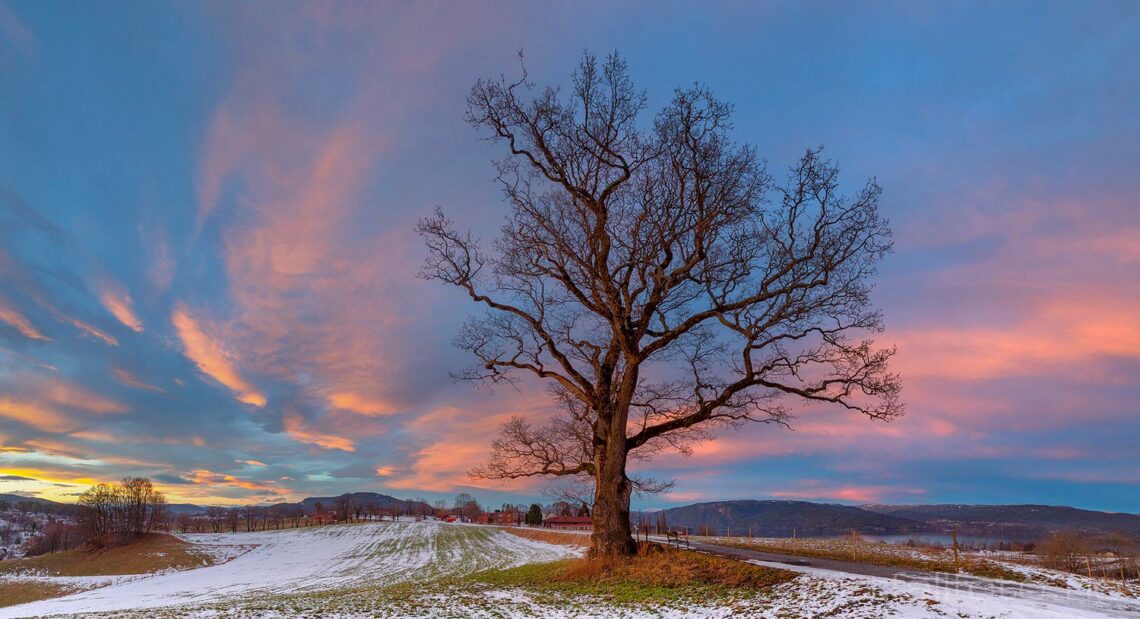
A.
x: 207, y: 265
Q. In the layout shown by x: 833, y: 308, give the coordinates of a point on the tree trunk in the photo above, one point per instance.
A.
x: 611, y: 537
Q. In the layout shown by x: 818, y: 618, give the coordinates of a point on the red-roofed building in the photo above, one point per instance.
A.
x: 580, y: 523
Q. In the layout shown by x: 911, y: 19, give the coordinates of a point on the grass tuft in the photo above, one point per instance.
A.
x: 658, y: 576
x: 548, y: 536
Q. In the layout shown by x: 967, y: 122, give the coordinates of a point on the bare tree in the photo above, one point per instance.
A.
x: 128, y: 509
x: 343, y: 507
x: 217, y: 517
x: 659, y: 280
x: 248, y: 513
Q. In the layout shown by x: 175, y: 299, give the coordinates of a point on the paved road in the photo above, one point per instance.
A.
x: 1081, y: 602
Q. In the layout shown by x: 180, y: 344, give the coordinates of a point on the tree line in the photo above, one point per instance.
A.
x: 107, y: 514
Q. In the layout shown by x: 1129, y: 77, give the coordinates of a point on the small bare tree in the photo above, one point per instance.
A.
x: 659, y: 280
x: 343, y: 507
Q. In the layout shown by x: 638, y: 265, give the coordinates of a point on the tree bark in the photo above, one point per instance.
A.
x: 612, y: 535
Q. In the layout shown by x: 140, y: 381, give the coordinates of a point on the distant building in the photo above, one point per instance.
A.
x: 580, y: 523
x: 506, y: 516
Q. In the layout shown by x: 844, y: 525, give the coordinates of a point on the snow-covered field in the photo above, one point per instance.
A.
x: 306, y: 560
x: 420, y: 569
x: 942, y: 595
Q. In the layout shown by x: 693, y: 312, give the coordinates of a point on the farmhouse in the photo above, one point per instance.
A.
x: 580, y: 523
x: 506, y: 516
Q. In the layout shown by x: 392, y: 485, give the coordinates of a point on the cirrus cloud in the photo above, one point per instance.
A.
x: 212, y: 358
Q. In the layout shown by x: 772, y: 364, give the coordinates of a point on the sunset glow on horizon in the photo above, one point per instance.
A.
x: 208, y: 259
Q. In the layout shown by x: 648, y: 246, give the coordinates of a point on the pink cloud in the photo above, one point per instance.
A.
x: 297, y: 430
x: 131, y: 380
x: 357, y: 404
x: 455, y: 439
x: 826, y: 490
x: 210, y: 478
x: 688, y: 497
x: 34, y: 414
x: 89, y: 330
x: 52, y: 404
x: 118, y: 301
x: 1057, y: 334
x: 15, y: 319
x: 63, y: 393
x: 212, y: 358
x: 162, y: 267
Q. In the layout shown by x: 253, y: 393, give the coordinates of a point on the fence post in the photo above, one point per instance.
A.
x: 954, y: 538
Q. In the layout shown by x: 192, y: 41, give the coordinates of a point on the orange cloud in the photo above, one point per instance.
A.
x: 63, y: 393
x: 211, y: 358
x: 815, y: 489
x: 210, y: 478
x: 1056, y: 334
x: 131, y: 380
x: 294, y: 426
x: 303, y: 200
x: 315, y: 276
x: 13, y: 318
x: 89, y: 330
x: 443, y: 466
x: 686, y: 497
x: 33, y: 414
x: 357, y: 404
x: 456, y: 440
x: 50, y: 403
x: 251, y: 462
x: 118, y: 302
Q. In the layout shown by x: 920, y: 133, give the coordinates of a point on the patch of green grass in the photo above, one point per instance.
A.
x: 664, y: 579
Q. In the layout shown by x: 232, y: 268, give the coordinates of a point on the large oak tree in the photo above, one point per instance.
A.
x: 659, y: 279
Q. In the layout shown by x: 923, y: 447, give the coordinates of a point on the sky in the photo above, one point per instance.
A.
x: 207, y: 255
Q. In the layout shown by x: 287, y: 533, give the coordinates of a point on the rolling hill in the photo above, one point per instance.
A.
x: 781, y: 518
x: 382, y: 501
x: 1015, y: 521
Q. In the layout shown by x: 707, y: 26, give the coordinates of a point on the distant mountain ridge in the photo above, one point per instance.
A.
x: 780, y: 518
x: 19, y: 498
x: 309, y: 505
x: 371, y: 499
x: 774, y: 518
x: 1014, y: 521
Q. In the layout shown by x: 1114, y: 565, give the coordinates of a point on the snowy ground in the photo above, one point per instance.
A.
x: 418, y: 569
x: 941, y: 595
x: 306, y: 560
